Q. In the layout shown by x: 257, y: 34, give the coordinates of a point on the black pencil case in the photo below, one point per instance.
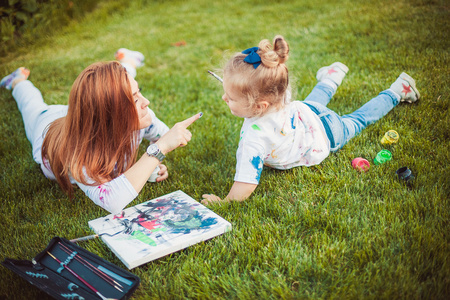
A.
x: 54, y: 278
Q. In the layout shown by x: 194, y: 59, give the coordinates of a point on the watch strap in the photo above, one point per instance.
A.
x: 160, y: 156
x: 153, y: 150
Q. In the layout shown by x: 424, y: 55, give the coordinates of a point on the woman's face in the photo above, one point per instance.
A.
x: 145, y: 119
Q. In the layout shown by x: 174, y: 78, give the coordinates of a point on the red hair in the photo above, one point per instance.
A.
x: 99, y: 136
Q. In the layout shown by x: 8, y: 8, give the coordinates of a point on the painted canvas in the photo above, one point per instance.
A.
x: 158, y: 227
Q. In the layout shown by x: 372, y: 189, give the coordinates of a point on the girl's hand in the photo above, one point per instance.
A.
x: 163, y: 173
x: 210, y: 198
x: 239, y: 192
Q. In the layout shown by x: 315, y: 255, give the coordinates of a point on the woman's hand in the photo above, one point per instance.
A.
x: 177, y: 136
x: 163, y: 173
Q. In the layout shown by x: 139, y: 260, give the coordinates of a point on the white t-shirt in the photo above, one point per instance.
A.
x: 117, y: 193
x: 290, y: 137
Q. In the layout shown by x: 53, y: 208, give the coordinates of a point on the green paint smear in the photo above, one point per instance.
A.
x: 255, y: 127
x: 143, y: 238
x: 192, y: 223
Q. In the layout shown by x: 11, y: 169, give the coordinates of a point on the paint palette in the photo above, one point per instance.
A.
x: 158, y: 227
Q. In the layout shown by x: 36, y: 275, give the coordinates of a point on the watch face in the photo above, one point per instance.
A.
x: 153, y: 149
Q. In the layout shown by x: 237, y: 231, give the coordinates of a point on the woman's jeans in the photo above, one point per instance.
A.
x: 36, y: 114
x: 341, y: 129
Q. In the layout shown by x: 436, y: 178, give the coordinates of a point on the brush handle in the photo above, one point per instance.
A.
x: 84, y: 281
x: 79, y: 277
x: 215, y: 76
x: 107, y: 278
x: 85, y: 238
x: 114, y: 275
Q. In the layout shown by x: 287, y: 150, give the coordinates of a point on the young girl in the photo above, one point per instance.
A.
x: 284, y: 134
x: 93, y: 142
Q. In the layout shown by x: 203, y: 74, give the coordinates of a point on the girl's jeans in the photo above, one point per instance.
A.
x: 36, y: 114
x: 341, y: 129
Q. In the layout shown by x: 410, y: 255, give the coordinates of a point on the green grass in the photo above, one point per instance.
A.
x: 321, y: 232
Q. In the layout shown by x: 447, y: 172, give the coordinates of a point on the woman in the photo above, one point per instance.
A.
x: 93, y: 141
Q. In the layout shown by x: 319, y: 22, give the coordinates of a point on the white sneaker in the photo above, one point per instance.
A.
x: 405, y: 86
x: 335, y: 72
x: 128, y: 56
x: 8, y: 80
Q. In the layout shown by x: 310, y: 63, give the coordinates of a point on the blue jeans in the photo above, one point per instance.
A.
x: 36, y: 114
x: 340, y: 129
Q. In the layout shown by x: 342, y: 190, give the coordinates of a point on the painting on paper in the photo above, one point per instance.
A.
x: 158, y: 227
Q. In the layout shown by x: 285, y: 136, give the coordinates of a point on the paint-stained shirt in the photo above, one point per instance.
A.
x: 290, y: 137
x: 117, y: 193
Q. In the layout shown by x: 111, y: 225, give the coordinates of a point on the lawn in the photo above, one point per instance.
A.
x: 321, y: 232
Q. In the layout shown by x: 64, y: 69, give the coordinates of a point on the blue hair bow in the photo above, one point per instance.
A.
x: 252, y: 57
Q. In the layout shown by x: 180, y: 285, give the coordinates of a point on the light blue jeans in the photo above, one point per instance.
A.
x: 340, y: 129
x: 36, y: 114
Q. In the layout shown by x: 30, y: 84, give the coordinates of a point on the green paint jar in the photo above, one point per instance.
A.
x: 382, y: 157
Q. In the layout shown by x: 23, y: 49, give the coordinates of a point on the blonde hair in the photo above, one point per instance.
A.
x: 268, y: 82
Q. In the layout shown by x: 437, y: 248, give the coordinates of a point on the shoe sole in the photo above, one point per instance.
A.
x: 119, y: 55
x: 22, y: 71
x: 339, y: 65
x: 25, y: 72
x: 412, y: 83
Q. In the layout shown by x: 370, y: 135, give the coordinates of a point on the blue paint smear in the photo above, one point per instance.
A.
x: 292, y: 122
x: 206, y: 223
x: 257, y: 164
x: 148, y: 129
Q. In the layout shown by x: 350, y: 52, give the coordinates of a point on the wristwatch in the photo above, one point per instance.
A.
x: 153, y: 150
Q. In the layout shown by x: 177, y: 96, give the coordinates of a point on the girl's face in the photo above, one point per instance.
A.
x: 236, y: 102
x: 145, y: 119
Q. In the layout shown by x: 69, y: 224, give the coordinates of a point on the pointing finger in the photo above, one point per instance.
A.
x: 190, y: 120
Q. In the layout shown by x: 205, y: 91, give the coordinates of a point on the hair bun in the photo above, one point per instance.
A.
x: 272, y: 56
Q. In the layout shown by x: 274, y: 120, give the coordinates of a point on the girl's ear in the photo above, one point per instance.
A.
x: 263, y: 105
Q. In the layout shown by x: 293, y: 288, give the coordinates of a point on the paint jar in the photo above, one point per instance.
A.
x: 154, y: 175
x: 382, y: 157
x: 360, y: 164
x: 404, y: 174
x: 390, y: 137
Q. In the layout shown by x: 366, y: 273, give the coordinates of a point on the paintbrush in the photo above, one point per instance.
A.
x: 94, y: 236
x: 215, y: 76
x: 81, y: 279
x: 89, y: 266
